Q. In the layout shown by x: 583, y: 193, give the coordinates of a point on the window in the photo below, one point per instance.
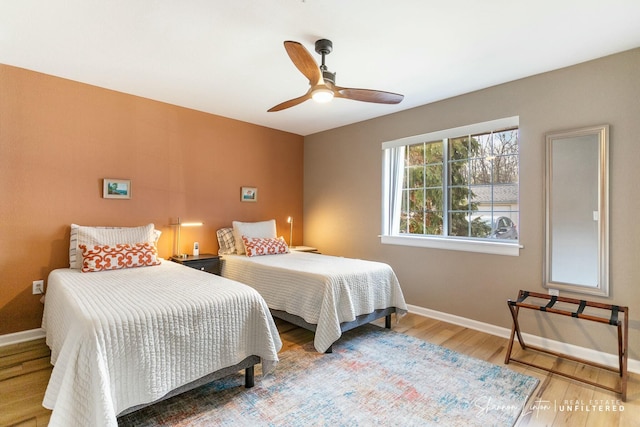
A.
x: 456, y: 189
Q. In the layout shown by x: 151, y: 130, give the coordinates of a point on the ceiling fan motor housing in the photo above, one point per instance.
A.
x: 328, y: 76
x: 324, y: 46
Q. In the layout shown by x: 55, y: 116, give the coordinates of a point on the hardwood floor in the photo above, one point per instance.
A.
x: 25, y: 371
x: 24, y: 374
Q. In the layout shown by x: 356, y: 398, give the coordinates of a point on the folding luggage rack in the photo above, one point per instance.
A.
x: 615, y: 310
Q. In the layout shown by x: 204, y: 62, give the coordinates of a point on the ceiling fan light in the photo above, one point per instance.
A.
x: 322, y: 95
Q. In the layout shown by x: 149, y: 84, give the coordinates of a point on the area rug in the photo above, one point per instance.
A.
x: 374, y: 376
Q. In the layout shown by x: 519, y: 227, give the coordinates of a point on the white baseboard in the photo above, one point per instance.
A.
x: 18, y: 337
x: 557, y: 346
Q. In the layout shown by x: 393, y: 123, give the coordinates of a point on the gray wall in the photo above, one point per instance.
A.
x: 342, y: 196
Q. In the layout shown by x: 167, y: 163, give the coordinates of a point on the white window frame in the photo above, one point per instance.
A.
x: 438, y: 242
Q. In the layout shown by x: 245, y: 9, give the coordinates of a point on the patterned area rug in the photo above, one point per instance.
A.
x: 373, y: 377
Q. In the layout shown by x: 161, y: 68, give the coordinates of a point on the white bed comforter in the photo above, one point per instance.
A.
x: 128, y: 337
x: 323, y: 290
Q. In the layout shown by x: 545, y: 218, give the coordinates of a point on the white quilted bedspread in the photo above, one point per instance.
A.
x: 127, y: 337
x: 323, y: 290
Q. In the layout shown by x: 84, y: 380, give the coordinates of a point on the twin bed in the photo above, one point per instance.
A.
x: 122, y: 338
x: 326, y: 294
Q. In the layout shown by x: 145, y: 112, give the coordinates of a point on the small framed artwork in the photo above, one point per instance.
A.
x: 249, y: 194
x: 116, y: 188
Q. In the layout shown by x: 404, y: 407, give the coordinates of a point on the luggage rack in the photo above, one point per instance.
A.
x: 614, y: 320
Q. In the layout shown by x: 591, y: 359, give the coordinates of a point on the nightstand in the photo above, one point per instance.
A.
x: 205, y: 262
x: 303, y: 249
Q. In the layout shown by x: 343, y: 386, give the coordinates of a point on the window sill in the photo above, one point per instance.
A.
x: 492, y: 247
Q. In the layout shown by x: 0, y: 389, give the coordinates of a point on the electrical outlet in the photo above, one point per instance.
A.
x: 554, y: 292
x: 38, y: 287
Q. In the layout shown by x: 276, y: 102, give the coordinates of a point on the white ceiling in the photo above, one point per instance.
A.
x: 226, y: 57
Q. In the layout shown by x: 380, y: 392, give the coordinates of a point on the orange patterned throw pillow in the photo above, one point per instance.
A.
x: 105, y: 257
x: 256, y: 246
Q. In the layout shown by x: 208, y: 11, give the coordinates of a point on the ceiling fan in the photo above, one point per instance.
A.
x: 322, y: 82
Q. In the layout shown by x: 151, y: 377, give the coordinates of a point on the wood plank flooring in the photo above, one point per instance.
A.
x: 25, y: 371
x: 24, y: 374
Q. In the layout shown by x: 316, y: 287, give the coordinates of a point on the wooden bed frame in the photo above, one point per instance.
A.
x: 247, y: 364
x: 344, y: 326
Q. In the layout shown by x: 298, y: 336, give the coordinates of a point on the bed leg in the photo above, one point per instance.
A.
x: 330, y: 349
x: 387, y: 321
x: 248, y: 377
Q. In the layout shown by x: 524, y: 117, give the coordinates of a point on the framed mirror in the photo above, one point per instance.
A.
x: 577, y: 211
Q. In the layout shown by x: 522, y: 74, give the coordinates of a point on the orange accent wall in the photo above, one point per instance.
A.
x: 60, y: 138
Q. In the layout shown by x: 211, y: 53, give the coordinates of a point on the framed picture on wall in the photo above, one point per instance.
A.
x: 249, y: 194
x: 116, y: 188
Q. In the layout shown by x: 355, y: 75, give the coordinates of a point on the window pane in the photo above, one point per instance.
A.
x: 458, y: 148
x: 458, y: 198
x: 504, y: 226
x: 434, y: 176
x: 412, y: 217
x: 433, y: 152
x: 434, y: 200
x: 415, y: 200
x: 481, y: 225
x: 481, y: 197
x: 505, y: 142
x: 459, y: 172
x: 505, y: 148
x: 480, y: 171
x: 505, y: 169
x: 505, y: 195
x: 415, y: 154
x: 481, y: 145
x: 458, y: 224
x: 414, y: 223
x: 415, y: 177
x: 433, y: 224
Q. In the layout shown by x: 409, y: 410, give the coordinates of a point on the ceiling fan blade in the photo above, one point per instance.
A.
x: 303, y: 60
x: 367, y: 95
x: 290, y: 103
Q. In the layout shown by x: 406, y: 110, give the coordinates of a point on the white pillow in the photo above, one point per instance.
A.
x: 82, y: 235
x: 252, y: 229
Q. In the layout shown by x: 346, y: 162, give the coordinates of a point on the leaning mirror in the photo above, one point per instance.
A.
x: 577, y: 211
